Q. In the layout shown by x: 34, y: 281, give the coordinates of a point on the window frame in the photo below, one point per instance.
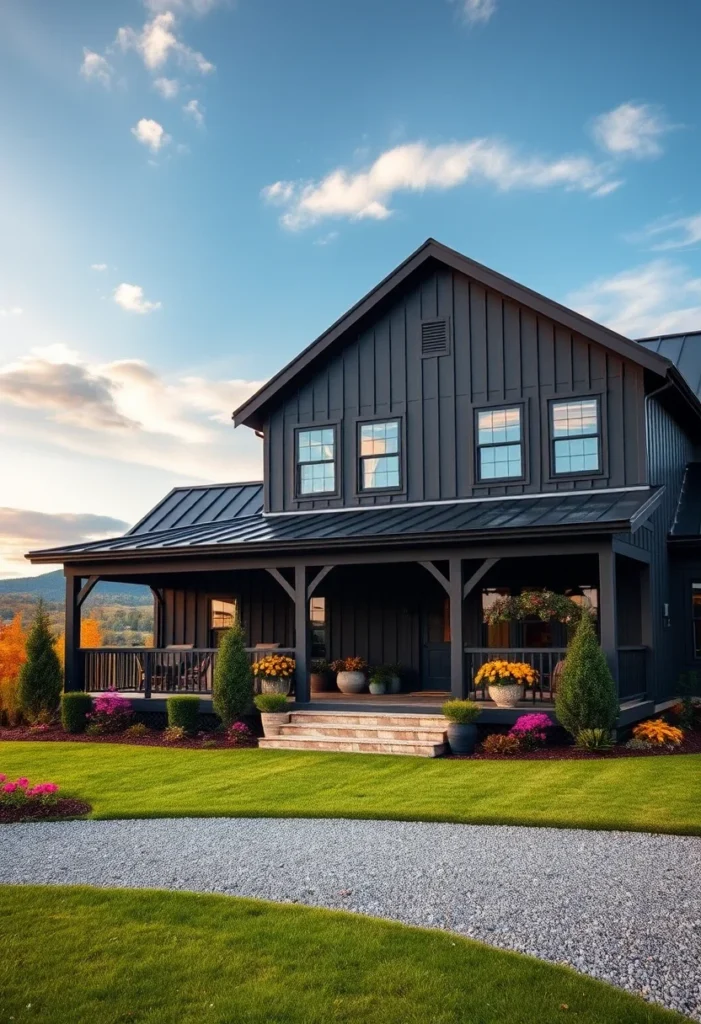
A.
x: 562, y: 399
x: 500, y: 481
x: 299, y: 495
x: 363, y: 421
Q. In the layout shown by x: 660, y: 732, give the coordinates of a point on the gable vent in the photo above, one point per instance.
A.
x: 435, y: 337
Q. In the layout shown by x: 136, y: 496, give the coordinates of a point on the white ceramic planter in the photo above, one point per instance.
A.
x: 377, y: 689
x: 506, y: 696
x: 351, y: 682
x: 272, y: 723
x: 275, y: 684
x: 395, y: 685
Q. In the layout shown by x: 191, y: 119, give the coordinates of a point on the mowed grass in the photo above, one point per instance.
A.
x: 657, y: 794
x: 112, y: 956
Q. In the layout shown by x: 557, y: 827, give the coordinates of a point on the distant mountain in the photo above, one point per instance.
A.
x: 52, y: 587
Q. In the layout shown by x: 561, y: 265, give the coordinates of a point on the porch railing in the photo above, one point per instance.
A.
x: 542, y: 659
x: 155, y: 670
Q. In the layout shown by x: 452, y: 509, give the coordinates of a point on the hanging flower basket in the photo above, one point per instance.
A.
x: 540, y: 604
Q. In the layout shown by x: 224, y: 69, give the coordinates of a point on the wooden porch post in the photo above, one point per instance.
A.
x: 458, y: 686
x: 301, y: 634
x: 608, y: 623
x: 73, y: 671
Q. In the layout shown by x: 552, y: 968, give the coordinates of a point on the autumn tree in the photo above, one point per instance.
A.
x: 90, y: 636
x: 13, y: 639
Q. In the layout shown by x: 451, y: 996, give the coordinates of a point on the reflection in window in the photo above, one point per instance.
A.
x: 379, y: 455
x: 317, y: 622
x: 575, y: 433
x: 222, y: 616
x: 696, y: 617
x: 316, y: 461
x: 499, y: 443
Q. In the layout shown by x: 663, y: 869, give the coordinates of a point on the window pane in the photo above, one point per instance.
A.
x: 497, y: 426
x: 317, y: 611
x: 571, y: 419
x: 315, y: 445
x: 379, y: 438
x: 317, y: 478
x: 500, y: 461
x: 577, y: 456
x: 222, y: 614
x: 383, y: 472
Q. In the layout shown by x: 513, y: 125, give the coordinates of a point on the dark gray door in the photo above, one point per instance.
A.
x: 435, y: 660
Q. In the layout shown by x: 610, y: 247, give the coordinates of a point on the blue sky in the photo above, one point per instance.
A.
x: 240, y: 173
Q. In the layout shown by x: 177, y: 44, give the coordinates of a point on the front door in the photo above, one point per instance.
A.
x: 435, y: 661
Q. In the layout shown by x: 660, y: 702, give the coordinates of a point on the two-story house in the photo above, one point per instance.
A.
x: 452, y: 438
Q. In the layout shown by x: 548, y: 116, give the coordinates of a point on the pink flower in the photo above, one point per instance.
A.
x: 23, y: 782
x: 10, y: 787
x: 2, y: 777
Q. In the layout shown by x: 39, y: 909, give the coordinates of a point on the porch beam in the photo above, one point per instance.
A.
x: 321, y: 575
x: 73, y: 679
x: 87, y: 589
x: 478, y: 575
x: 286, y: 586
x: 608, y: 624
x: 437, y: 574
x: 301, y: 634
x: 457, y: 647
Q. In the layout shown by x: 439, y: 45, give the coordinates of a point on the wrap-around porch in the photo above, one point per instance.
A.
x: 422, y: 610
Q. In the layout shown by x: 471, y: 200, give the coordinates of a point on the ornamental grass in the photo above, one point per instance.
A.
x: 659, y: 733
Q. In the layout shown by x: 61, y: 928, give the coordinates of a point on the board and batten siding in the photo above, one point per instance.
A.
x: 501, y: 353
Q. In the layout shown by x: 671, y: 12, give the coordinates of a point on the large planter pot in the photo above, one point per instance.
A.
x: 275, y: 684
x: 272, y: 723
x: 462, y: 738
x: 394, y: 685
x: 506, y: 696
x: 319, y: 682
x: 377, y: 689
x: 351, y: 682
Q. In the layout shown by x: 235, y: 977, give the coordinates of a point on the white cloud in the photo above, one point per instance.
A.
x: 131, y: 298
x: 659, y: 297
x: 150, y: 133
x: 167, y: 87
x: 632, y: 130
x: 478, y: 11
x: 326, y: 239
x: 100, y: 267
x: 11, y: 311
x: 157, y: 41
x: 198, y: 7
x: 415, y: 167
x: 96, y: 67
x: 23, y: 530
x: 193, y: 109
x: 671, y: 233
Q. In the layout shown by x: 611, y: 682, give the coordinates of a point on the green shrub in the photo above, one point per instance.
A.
x: 137, y: 731
x: 233, y: 680
x: 594, y: 739
x: 501, y: 743
x: 586, y: 697
x: 184, y: 712
x: 270, y: 703
x: 74, y: 710
x: 461, y: 712
x: 41, y: 678
x: 174, y: 734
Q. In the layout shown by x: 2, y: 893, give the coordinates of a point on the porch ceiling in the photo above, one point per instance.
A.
x: 591, y: 512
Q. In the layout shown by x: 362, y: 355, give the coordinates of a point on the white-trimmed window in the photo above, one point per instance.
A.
x: 380, y: 457
x: 316, y: 461
x: 500, y: 443
x: 576, y: 437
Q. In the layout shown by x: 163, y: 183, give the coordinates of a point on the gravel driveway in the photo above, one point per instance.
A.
x: 621, y: 906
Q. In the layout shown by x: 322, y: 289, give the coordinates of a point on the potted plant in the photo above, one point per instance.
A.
x: 275, y: 672
x: 319, y: 675
x: 506, y: 680
x: 379, y: 680
x: 273, y: 712
x: 462, y: 731
x: 394, y: 678
x: 350, y: 674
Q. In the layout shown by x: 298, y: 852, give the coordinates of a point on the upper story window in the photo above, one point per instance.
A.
x: 499, y: 443
x: 316, y: 461
x: 575, y: 436
x: 379, y: 456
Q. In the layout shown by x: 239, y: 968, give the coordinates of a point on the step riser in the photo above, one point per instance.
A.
x: 357, y: 747
x: 359, y: 732
x: 437, y: 722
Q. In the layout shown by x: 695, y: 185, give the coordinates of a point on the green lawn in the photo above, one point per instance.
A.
x: 660, y: 794
x: 93, y: 956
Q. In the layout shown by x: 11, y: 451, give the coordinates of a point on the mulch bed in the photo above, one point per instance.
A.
x: 691, y: 745
x: 153, y: 739
x: 64, y: 808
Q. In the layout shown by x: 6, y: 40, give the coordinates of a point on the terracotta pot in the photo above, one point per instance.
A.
x: 275, y: 684
x: 506, y: 696
x: 319, y: 682
x: 394, y: 685
x: 272, y: 723
x: 351, y: 682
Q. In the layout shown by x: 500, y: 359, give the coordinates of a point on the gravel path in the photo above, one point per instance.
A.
x: 622, y: 906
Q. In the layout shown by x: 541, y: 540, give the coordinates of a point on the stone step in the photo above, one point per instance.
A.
x: 371, y: 732
x: 354, y: 745
x: 387, y: 720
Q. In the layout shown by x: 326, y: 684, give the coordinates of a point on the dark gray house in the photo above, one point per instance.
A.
x: 451, y: 438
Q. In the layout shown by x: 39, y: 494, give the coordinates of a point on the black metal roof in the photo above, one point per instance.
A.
x: 684, y: 350
x: 593, y: 511
x: 193, y: 506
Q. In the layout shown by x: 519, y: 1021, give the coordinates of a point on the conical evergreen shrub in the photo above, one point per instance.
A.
x: 586, y: 697
x: 41, y: 676
x: 233, y: 680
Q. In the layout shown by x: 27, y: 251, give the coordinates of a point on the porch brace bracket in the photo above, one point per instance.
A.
x: 477, y: 575
x: 321, y: 575
x: 438, y: 575
x: 285, y: 584
x: 86, y: 589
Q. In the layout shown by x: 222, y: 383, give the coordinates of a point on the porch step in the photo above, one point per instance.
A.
x: 357, y: 732
x: 354, y: 745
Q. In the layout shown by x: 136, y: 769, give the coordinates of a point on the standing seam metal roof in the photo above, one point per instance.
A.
x: 193, y: 506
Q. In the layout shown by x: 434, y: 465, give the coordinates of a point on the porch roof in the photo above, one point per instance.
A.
x: 517, y: 516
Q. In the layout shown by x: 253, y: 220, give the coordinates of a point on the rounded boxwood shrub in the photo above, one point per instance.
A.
x: 183, y: 713
x: 461, y: 712
x: 75, y: 707
x: 270, y: 703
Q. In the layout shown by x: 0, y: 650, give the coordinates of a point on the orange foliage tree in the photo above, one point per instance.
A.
x: 90, y: 636
x: 13, y: 640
